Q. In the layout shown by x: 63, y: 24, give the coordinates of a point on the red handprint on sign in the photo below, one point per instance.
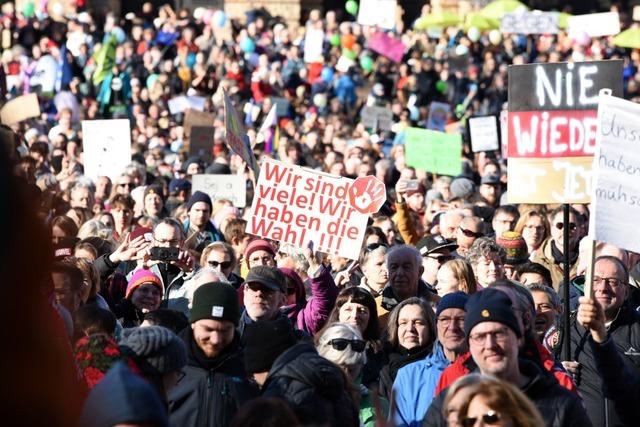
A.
x: 367, y: 194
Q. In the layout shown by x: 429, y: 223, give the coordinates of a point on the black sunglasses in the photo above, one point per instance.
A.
x: 224, y: 264
x: 341, y: 343
x: 470, y: 233
x: 490, y: 418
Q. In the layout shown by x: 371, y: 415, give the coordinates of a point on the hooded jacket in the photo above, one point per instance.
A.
x: 415, y: 387
x: 310, y: 315
x: 558, y: 406
x: 212, y: 389
x: 314, y: 387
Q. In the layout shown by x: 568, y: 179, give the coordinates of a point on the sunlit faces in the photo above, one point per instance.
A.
x: 355, y: 315
x: 413, y: 329
x: 213, y: 336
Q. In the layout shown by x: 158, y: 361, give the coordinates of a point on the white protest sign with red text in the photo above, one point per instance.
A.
x: 551, y: 128
x: 295, y: 205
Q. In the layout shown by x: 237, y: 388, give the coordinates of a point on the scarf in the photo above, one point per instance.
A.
x: 558, y: 257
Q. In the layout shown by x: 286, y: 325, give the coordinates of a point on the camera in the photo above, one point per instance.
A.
x: 165, y: 254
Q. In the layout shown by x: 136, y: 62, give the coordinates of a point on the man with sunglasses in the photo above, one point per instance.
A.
x: 494, y: 336
x: 606, y: 317
x: 551, y: 252
x: 415, y: 384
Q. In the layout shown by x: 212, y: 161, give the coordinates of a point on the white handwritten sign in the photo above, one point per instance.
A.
x: 228, y: 187
x: 616, y: 192
x: 535, y: 22
x: 107, y: 147
x: 484, y: 134
x: 296, y: 206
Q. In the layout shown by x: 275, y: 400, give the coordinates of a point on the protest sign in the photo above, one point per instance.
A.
x: 201, y: 142
x: 435, y: 152
x: 438, y: 114
x: 552, y: 128
x: 313, y: 43
x: 595, y: 24
x: 616, y: 193
x: 377, y: 13
x: 535, y: 22
x: 197, y: 118
x: 484, y: 134
x: 294, y: 205
x: 228, y: 187
x: 19, y: 109
x: 376, y: 117
x: 385, y: 45
x: 236, y: 136
x: 180, y: 103
x: 107, y: 147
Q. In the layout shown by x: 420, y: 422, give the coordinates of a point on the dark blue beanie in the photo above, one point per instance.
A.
x: 453, y: 300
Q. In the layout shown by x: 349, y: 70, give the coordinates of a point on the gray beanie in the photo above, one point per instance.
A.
x: 155, y: 349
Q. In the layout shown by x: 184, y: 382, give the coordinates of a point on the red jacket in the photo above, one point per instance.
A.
x: 537, y: 354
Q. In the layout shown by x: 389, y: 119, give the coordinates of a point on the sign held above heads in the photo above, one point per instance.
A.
x: 297, y: 206
x: 107, y: 147
x: 434, y: 152
x: 551, y: 128
x: 229, y: 187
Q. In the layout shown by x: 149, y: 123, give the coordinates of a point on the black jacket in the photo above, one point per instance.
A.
x: 211, y: 390
x: 558, y: 406
x: 314, y: 387
x: 625, y: 333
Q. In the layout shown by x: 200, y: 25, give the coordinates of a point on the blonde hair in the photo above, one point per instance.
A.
x: 463, y: 272
x: 505, y: 399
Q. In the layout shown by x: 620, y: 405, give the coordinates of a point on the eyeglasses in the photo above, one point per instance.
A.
x: 499, y: 335
x: 470, y: 233
x: 612, y: 282
x: 446, y: 321
x: 341, y: 343
x: 223, y: 265
x: 560, y: 226
x: 491, y: 418
x: 441, y: 258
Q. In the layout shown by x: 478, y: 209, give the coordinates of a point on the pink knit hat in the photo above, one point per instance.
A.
x: 141, y: 277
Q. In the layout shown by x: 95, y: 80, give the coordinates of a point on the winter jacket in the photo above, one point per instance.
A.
x: 310, y: 315
x: 558, y: 406
x: 624, y: 331
x: 211, y: 390
x: 415, y: 387
x: 314, y: 387
x: 543, y: 256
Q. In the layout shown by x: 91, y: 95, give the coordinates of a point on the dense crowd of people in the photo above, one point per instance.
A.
x: 154, y: 306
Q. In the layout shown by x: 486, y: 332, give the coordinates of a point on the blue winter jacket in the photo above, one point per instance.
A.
x: 415, y: 387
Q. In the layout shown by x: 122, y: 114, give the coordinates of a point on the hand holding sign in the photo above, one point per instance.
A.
x: 367, y: 194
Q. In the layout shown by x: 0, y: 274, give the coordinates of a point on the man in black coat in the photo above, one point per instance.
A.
x: 214, y: 384
x: 607, y: 402
x: 315, y: 388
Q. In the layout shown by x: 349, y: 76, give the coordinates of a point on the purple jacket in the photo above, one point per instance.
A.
x: 310, y: 315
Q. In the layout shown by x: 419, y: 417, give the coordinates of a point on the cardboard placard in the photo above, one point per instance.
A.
x: 438, y: 115
x: 376, y: 117
x: 19, y: 109
x: 197, y: 118
x: 552, y: 128
x: 180, y: 103
x: 386, y: 45
x: 616, y: 192
x: 432, y: 151
x: 228, y: 187
x: 201, y: 142
x: 107, y: 147
x: 535, y: 22
x: 484, y: 134
x: 378, y: 13
x: 313, y: 45
x: 595, y: 24
x: 297, y: 206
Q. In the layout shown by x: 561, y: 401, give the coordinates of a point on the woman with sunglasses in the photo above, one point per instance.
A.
x: 492, y: 402
x: 534, y: 228
x: 411, y: 332
x: 343, y: 345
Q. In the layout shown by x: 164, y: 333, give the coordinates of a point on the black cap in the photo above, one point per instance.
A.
x: 269, y: 277
x: 435, y: 243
